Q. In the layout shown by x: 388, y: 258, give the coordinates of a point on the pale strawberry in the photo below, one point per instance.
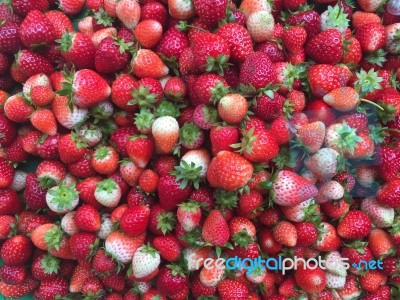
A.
x: 122, y: 246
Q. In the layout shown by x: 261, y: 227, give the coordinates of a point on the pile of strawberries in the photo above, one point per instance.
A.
x: 165, y: 132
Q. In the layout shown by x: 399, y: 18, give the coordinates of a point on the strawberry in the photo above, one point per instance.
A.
x: 294, y: 39
x: 310, y: 280
x: 389, y: 194
x: 154, y: 11
x: 145, y: 261
x: 165, y: 131
x: 257, y: 70
x: 108, y: 193
x: 111, y: 50
x: 285, y: 233
x: 354, y: 225
x: 103, y: 262
x: 299, y: 191
x: 66, y: 114
x: 171, y: 280
x: 13, y: 274
x: 215, y: 229
x: 42, y: 95
x: 191, y: 136
x: 60, y: 22
x: 19, y: 290
x: 168, y: 246
x: 104, y: 160
x: 122, y: 246
x: 329, y: 239
x: 50, y: 173
x: 326, y: 47
x: 17, y: 109
x: 312, y: 136
x: 371, y: 281
x: 260, y: 25
x: 128, y: 11
x: 10, y: 201
x: 238, y: 39
x: 210, y: 12
x: 83, y: 245
x: 30, y: 63
x: 71, y: 7
x: 325, y: 78
x: 353, y: 53
x: 371, y: 36
x: 170, y: 192
x: 239, y: 169
x: 342, y: 99
x: 269, y: 108
x: 8, y: 131
x: 16, y: 251
x: 148, y: 64
x: 87, y: 218
x: 390, y: 163
x: 380, y: 243
x: 140, y: 150
x: 361, y: 18
x: 189, y: 215
x: 6, y: 173
x: 135, y: 220
x: 92, y: 286
x: 82, y: 93
x: 45, y: 266
x: 36, y: 29
x: 232, y: 289
x: 232, y: 108
x: 44, y: 121
x: 50, y: 288
x: 62, y: 198
x: 208, y: 88
x: 9, y: 37
x: 392, y: 38
x: 148, y: 33
x: 78, y: 49
x: 223, y: 137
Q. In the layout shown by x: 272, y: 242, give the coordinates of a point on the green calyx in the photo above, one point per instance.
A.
x: 144, y: 118
x: 217, y: 64
x: 67, y: 89
x: 336, y: 18
x: 246, y: 145
x: 149, y: 250
x: 190, y: 206
x: 387, y: 113
x: 210, y: 114
x: 167, y: 108
x: 107, y: 185
x: 102, y: 153
x: 65, y: 42
x: 225, y: 199
x: 348, y: 139
x: 189, y: 133
x: 47, y: 182
x: 218, y: 91
x: 122, y: 45
x: 291, y: 73
x: 53, y: 238
x: 50, y: 264
x: 186, y: 174
x: 63, y: 196
x: 103, y: 18
x: 166, y: 221
x: 177, y: 270
x: 242, y: 238
x: 142, y: 97
x: 377, y: 58
x: 367, y: 82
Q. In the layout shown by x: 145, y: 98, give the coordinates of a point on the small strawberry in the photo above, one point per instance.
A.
x: 6, y: 173
x: 238, y: 39
x: 294, y: 39
x: 257, y: 70
x: 67, y: 115
x: 17, y: 109
x: 11, y: 204
x: 20, y: 290
x: 111, y: 55
x: 381, y: 216
x: 103, y: 262
x: 211, y: 12
x: 168, y: 246
x: 328, y: 240
x: 62, y: 198
x: 145, y: 261
x: 285, y: 233
x: 354, y: 225
x: 135, y: 220
x: 78, y: 49
x: 260, y: 25
x: 171, y: 280
x: 139, y: 149
x: 165, y: 131
x: 389, y: 194
x: 36, y: 29
x: 310, y: 280
x: 371, y: 36
x: 9, y: 37
x: 50, y: 288
x: 148, y: 33
x: 325, y: 78
x: 148, y: 64
x: 87, y: 218
x: 30, y: 63
x: 128, y: 11
x: 232, y: 289
x: 104, y: 160
x: 189, y: 215
x: 44, y: 121
x: 16, y: 251
x: 13, y: 274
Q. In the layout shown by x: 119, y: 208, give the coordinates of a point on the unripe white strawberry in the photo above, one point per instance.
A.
x: 323, y: 163
x: 62, y: 198
x: 260, y: 25
x: 145, y: 261
x: 68, y: 223
x: 329, y: 191
x: 107, y: 227
x: 108, y: 193
x: 19, y: 181
x: 334, y: 264
x: 381, y: 216
x: 334, y: 281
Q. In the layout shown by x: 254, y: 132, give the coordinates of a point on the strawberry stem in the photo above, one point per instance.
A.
x: 372, y: 103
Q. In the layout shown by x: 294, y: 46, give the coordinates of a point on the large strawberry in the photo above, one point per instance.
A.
x: 229, y: 171
x: 257, y: 70
x: 170, y: 192
x: 325, y: 78
x: 211, y: 12
x: 78, y: 49
x: 86, y: 88
x: 389, y: 194
x: 326, y: 47
x: 36, y: 29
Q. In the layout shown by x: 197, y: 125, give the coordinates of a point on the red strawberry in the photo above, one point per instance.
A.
x: 211, y: 12
x: 13, y: 274
x: 7, y: 132
x: 294, y: 39
x: 83, y: 245
x: 269, y: 108
x: 44, y: 121
x: 310, y: 19
x: 171, y: 280
x: 223, y: 137
x: 325, y: 78
x: 19, y: 290
x: 307, y: 234
x: 326, y: 47
x: 232, y: 289
x: 285, y: 233
x: 169, y: 192
x: 168, y: 246
x: 36, y: 29
x: 215, y: 229
x: 10, y: 202
x: 135, y: 220
x: 9, y: 37
x: 389, y: 194
x: 310, y: 280
x: 139, y: 149
x: 111, y: 55
x: 6, y: 173
x: 148, y: 64
x: 121, y: 92
x: 50, y: 288
x: 354, y: 225
x: 30, y: 63
x: 17, y: 109
x: 239, y: 169
x: 257, y: 70
x: 211, y: 52
x: 87, y: 218
x: 16, y: 251
x: 78, y: 49
x: 172, y: 44
x: 371, y: 36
